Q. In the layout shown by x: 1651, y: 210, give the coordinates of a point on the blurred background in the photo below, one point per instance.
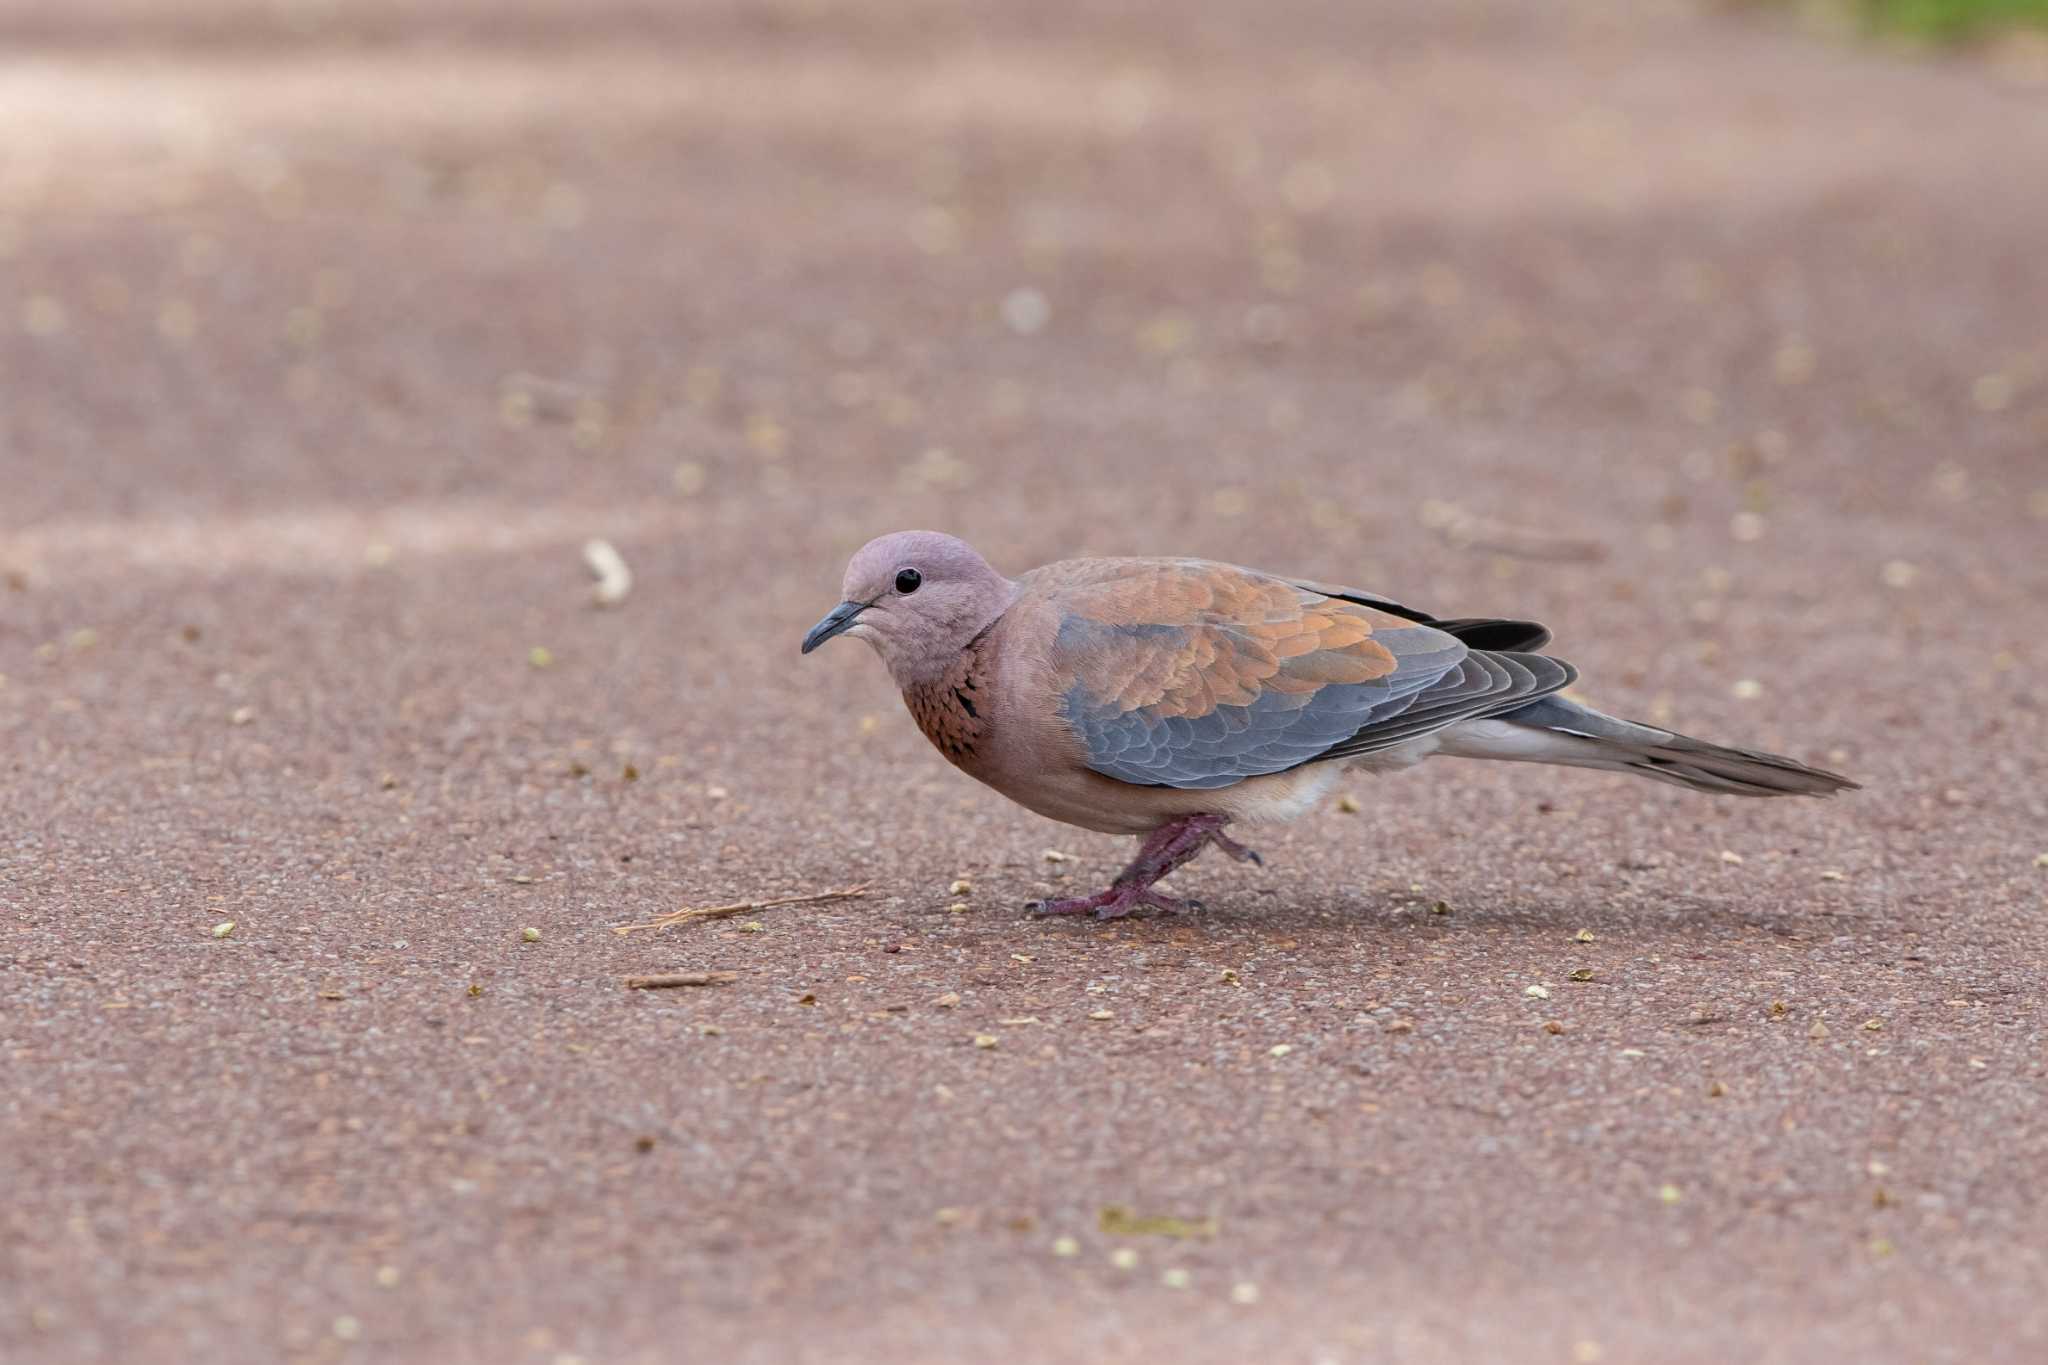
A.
x: 1716, y: 336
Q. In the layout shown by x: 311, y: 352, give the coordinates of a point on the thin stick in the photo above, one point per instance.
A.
x: 664, y: 981
x: 689, y: 915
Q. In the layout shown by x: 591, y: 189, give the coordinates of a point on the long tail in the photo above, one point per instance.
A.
x: 1555, y: 730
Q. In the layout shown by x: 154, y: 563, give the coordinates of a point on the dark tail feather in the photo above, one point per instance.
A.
x: 1555, y: 730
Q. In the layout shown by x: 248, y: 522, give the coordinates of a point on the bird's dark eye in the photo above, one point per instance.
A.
x: 907, y: 581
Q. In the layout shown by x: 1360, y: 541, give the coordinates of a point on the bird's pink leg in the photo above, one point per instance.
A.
x: 1165, y: 849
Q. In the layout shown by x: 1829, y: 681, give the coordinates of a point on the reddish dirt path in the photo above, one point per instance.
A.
x: 325, y: 343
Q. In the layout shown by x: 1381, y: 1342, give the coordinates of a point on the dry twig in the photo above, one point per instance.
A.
x: 664, y: 980
x: 690, y: 915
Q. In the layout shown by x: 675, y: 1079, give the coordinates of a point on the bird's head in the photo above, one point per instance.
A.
x: 918, y: 597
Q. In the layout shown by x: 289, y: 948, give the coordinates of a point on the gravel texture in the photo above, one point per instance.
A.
x: 329, y: 335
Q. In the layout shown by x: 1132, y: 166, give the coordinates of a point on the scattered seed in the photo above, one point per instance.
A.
x: 1582, y: 974
x: 1873, y: 1025
x: 961, y: 887
x: 1779, y: 1009
x: 531, y: 935
x: 1536, y: 992
x: 1400, y: 1026
x: 1583, y: 936
x: 1818, y: 1031
x: 1100, y: 1014
x: 475, y: 989
x: 957, y: 908
x: 1229, y: 977
x: 1349, y: 804
x: 1731, y: 857
x: 1280, y: 1049
x: 1881, y: 1246
x: 1065, y: 1247
x: 1244, y: 1292
x: 1053, y: 855
x: 1553, y: 1026
x: 1440, y: 908
x: 241, y: 715
x: 948, y: 1000
x: 347, y: 1328
x: 1831, y: 875
x: 1024, y: 958
x: 1175, y: 1278
x: 387, y: 1276
x: 710, y: 1031
x: 614, y: 579
x: 1124, y: 1258
x: 540, y: 656
x: 1669, y: 1193
x: 1716, y: 1090
x: 224, y: 928
x: 985, y: 1040
x: 752, y: 926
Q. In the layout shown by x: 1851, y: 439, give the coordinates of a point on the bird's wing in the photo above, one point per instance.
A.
x: 1480, y: 632
x: 1184, y: 673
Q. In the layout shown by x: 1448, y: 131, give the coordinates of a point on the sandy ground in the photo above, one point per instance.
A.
x: 328, y: 334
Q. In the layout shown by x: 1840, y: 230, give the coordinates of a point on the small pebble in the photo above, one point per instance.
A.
x: 1818, y: 1031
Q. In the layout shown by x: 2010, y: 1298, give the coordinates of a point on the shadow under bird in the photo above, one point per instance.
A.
x: 1168, y: 698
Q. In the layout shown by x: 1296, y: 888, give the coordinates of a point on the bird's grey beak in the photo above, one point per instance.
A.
x: 837, y: 621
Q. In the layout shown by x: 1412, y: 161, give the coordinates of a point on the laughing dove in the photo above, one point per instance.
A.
x: 1166, y: 698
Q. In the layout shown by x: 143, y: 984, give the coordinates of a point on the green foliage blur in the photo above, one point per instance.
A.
x: 1951, y: 20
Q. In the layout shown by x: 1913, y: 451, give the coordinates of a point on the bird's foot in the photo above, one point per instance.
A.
x: 1165, y: 849
x: 1115, y: 903
x: 1236, y: 850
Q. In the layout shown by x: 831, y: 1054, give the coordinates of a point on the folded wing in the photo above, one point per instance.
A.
x: 1189, y: 674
